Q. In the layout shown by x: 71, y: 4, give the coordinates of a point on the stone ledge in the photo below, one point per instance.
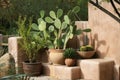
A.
x: 62, y: 72
x: 117, y: 72
x: 96, y: 69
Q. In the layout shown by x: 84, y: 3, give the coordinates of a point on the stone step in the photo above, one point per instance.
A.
x: 50, y: 78
x: 96, y: 69
x: 62, y: 72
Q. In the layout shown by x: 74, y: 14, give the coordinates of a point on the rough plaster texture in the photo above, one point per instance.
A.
x: 96, y: 69
x: 62, y: 72
x: 105, y: 35
x: 105, y: 32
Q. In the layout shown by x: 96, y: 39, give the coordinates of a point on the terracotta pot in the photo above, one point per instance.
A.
x: 56, y: 56
x: 32, y: 69
x: 70, y: 62
x: 86, y: 54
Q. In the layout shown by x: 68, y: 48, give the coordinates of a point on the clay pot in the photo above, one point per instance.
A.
x: 56, y: 56
x: 32, y: 69
x: 70, y: 62
x: 86, y: 54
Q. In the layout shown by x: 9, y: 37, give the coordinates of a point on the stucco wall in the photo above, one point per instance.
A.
x: 105, y: 32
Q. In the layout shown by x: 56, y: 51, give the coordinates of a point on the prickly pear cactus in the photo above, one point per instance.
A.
x: 56, y: 28
x: 62, y: 28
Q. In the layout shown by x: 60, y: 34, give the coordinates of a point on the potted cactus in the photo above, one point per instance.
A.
x: 86, y: 51
x: 57, y: 30
x: 70, y: 56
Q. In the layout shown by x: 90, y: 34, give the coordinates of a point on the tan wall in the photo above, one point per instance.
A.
x: 105, y: 32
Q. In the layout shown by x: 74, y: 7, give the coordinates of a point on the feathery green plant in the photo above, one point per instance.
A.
x: 70, y: 53
x: 31, y: 42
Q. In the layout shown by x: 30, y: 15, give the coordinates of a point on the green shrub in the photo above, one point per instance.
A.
x: 70, y: 53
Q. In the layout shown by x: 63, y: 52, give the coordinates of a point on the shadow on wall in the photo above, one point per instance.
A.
x: 97, y: 44
x: 72, y: 43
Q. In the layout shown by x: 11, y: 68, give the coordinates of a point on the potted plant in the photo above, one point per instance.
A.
x: 31, y: 43
x: 86, y: 51
x: 70, y: 56
x: 62, y: 30
x: 57, y: 30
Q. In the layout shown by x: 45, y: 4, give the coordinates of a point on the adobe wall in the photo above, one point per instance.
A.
x: 105, y: 32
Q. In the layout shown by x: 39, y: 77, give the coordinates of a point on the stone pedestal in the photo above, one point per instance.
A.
x: 97, y: 69
x: 17, y: 53
x: 62, y: 72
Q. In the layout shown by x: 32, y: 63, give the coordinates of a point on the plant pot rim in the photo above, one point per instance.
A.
x: 71, y: 58
x: 86, y: 54
x: 55, y: 50
x: 25, y: 62
x: 86, y: 51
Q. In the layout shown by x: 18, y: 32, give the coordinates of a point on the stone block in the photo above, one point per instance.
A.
x: 7, y: 65
x: 97, y: 69
x: 62, y: 72
x: 17, y: 53
x: 117, y: 72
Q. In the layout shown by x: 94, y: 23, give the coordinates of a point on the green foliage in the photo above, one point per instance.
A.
x: 16, y: 77
x: 83, y: 48
x: 10, y: 73
x: 73, y: 13
x: 31, y: 41
x: 57, y: 29
x: 68, y: 5
x: 13, y: 8
x: 70, y: 53
x: 86, y: 48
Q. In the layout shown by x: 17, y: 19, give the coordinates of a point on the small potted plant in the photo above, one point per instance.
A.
x: 70, y: 56
x: 86, y: 51
x: 31, y: 43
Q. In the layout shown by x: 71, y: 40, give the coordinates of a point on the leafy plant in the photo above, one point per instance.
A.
x: 31, y: 42
x: 73, y: 13
x: 62, y: 28
x: 57, y: 28
x: 11, y: 9
x: 70, y: 53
